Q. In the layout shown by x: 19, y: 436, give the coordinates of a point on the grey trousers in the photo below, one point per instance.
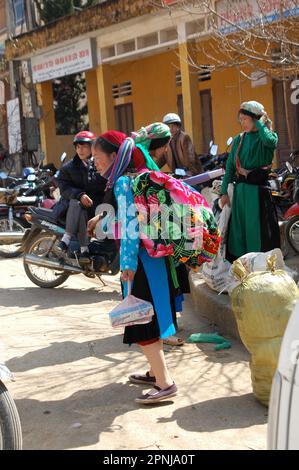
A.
x: 76, y: 222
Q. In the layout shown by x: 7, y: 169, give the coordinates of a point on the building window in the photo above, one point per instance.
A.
x: 121, y: 89
x: 19, y: 11
x: 70, y: 104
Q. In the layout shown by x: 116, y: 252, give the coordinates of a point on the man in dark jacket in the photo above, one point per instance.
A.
x: 83, y: 187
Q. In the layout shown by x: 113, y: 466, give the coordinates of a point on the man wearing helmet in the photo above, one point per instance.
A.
x: 180, y: 152
x: 83, y: 187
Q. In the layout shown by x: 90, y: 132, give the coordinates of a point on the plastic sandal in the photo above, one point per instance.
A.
x: 173, y: 341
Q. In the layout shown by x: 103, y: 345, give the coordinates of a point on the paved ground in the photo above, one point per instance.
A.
x: 71, y: 372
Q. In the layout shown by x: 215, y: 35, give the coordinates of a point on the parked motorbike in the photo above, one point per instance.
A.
x: 10, y: 425
x: 47, y: 266
x: 14, y: 203
x: 37, y: 189
x: 292, y: 216
x: 284, y: 184
x: 213, y: 161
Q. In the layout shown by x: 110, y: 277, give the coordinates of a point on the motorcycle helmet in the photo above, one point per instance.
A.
x: 172, y: 118
x: 84, y: 137
x: 28, y: 171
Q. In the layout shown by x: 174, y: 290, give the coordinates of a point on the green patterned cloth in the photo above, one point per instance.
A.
x: 145, y: 135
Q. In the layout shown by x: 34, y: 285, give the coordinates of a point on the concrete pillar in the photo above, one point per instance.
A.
x: 104, y: 86
x: 190, y: 92
x: 47, y: 119
x: 93, y: 102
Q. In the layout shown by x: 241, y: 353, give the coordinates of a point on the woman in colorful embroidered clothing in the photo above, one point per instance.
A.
x: 253, y: 225
x: 151, y: 277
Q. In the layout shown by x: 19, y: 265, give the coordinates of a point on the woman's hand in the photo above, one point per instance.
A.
x: 244, y: 172
x: 85, y: 200
x: 224, y: 200
x: 127, y: 275
x: 91, y: 225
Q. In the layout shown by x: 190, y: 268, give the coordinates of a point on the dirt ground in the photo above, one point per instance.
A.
x: 71, y: 371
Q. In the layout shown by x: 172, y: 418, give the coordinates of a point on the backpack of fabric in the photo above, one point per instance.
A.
x: 174, y: 220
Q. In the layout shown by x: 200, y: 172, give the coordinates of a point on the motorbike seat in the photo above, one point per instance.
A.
x: 43, y: 213
x: 47, y: 214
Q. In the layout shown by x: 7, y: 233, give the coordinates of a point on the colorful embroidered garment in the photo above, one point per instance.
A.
x: 174, y: 220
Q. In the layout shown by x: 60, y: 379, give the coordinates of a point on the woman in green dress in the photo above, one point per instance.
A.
x: 253, y: 225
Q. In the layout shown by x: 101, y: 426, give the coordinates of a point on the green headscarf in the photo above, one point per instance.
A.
x: 145, y: 135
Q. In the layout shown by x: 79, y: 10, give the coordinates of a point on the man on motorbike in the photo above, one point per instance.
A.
x: 180, y: 152
x: 83, y: 188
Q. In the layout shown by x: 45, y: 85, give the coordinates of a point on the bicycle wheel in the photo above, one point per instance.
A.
x: 292, y: 233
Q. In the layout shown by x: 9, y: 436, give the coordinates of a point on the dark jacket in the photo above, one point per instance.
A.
x: 75, y: 179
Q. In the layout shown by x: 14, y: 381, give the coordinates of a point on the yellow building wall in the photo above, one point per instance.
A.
x: 229, y: 89
x: 52, y: 144
x: 154, y: 91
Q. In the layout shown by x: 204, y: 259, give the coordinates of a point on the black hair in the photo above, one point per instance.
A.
x: 106, y: 146
x: 249, y: 113
x: 157, y: 143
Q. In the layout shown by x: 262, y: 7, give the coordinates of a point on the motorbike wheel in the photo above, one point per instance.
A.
x: 292, y: 233
x: 14, y: 249
x: 10, y: 425
x: 42, y: 276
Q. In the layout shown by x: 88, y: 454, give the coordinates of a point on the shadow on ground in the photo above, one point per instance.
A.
x: 220, y: 413
x: 49, y: 298
x: 86, y: 414
x: 67, y: 352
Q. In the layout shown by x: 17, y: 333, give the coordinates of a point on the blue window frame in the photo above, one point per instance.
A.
x: 19, y: 11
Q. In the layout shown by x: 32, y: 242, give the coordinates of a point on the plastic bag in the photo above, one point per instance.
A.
x: 131, y: 311
x: 216, y: 273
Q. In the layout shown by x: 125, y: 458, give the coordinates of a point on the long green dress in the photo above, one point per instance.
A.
x: 245, y: 232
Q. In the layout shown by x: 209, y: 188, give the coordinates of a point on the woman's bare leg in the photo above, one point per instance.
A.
x: 155, y: 356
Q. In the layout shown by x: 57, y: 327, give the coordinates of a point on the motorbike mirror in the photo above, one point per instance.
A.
x: 63, y: 157
x: 31, y: 177
x: 210, y: 144
x: 229, y: 141
x: 289, y: 167
x: 3, y: 175
x: 214, y: 150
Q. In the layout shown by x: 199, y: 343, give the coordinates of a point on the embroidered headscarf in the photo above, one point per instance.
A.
x: 118, y: 142
x: 252, y: 108
x: 152, y: 136
x: 147, y: 138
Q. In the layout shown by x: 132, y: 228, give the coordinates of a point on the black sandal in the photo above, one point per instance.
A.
x: 142, y: 379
